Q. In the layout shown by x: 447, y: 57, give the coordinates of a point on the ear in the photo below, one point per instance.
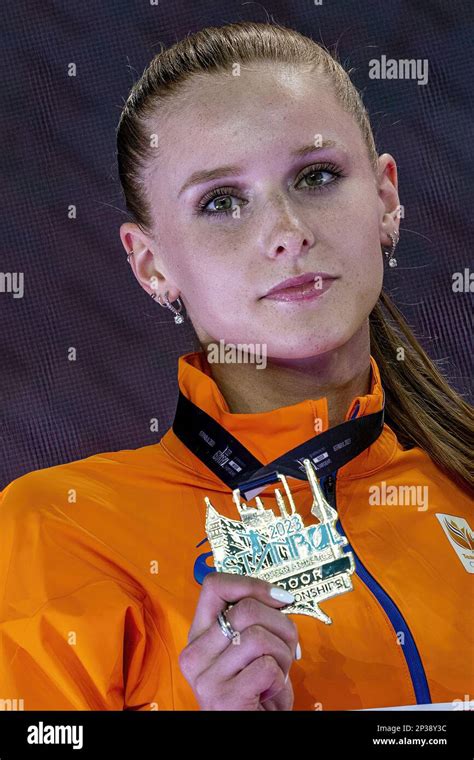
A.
x: 145, y: 262
x: 389, y: 202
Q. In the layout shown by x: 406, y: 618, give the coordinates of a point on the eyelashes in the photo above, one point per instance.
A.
x: 229, y: 192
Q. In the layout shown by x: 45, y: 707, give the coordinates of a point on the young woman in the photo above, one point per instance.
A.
x: 247, y: 160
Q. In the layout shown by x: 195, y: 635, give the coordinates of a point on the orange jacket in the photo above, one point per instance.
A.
x: 101, y: 562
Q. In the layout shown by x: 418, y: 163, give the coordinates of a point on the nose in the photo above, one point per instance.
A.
x: 294, y: 243
x: 290, y: 235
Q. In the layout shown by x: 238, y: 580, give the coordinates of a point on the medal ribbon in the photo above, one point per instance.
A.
x: 236, y: 466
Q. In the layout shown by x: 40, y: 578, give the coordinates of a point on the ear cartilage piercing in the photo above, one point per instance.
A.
x: 130, y: 253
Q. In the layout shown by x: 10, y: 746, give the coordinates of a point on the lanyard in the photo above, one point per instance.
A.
x: 236, y: 466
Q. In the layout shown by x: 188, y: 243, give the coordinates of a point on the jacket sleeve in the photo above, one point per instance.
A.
x: 73, y: 630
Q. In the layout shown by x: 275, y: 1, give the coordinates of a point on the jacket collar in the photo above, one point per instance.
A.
x: 268, y: 435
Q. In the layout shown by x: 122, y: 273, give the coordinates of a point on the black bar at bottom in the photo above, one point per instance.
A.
x: 429, y: 733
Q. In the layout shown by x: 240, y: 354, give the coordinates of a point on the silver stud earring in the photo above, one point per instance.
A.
x: 130, y: 253
x: 394, y: 237
x: 178, y: 317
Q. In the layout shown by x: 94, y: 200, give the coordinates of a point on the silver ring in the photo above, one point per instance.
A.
x: 225, y: 626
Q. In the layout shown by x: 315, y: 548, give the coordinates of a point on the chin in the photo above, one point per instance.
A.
x: 304, y: 349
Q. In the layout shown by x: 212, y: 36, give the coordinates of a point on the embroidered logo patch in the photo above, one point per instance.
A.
x: 460, y: 537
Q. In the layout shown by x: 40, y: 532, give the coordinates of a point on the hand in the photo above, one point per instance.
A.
x: 251, y: 672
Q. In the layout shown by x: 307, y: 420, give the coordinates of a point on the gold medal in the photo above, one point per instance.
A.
x: 309, y: 562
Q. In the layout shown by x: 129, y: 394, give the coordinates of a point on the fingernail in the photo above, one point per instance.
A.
x: 287, y: 676
x: 283, y: 596
x: 298, y: 652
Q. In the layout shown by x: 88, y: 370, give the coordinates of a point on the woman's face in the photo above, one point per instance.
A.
x: 289, y: 212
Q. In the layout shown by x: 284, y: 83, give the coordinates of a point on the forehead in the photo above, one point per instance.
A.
x: 247, y: 118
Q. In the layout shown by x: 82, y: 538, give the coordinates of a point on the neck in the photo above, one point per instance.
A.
x: 338, y: 375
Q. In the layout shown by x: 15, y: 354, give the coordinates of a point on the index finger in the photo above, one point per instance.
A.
x: 221, y: 589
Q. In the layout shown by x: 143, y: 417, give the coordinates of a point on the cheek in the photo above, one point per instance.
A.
x: 363, y: 267
x: 211, y: 263
x: 368, y: 285
x: 362, y: 244
x: 365, y: 272
x: 214, y: 291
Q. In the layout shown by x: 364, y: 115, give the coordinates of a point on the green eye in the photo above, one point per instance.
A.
x: 328, y: 169
x: 221, y: 200
x: 308, y: 176
x: 220, y: 195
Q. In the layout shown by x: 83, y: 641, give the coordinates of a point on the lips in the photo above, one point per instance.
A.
x: 309, y: 279
x: 307, y: 287
x: 304, y: 289
x: 306, y: 292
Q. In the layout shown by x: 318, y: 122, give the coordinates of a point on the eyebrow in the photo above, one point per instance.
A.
x: 205, y: 175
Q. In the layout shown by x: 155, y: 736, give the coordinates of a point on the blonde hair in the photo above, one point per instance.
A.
x: 421, y: 407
